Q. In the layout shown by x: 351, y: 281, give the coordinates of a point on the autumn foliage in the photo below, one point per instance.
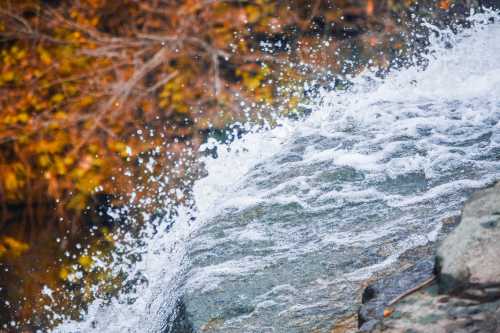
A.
x: 89, y: 87
x: 82, y: 81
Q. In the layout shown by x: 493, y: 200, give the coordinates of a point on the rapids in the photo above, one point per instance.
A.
x: 290, y: 221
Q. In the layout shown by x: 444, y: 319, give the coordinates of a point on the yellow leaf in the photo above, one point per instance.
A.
x: 3, y: 250
x: 253, y: 13
x: 45, y: 56
x: 44, y: 160
x: 76, y: 35
x: 57, y: 98
x: 252, y: 83
x: 8, y: 76
x: 23, y: 117
x: 77, y: 202
x: 85, y: 261
x: 60, y: 166
x: 21, y: 54
x: 63, y: 273
x: 68, y: 160
x: 11, y: 183
x: 60, y: 115
x: 14, y: 246
x: 87, y: 100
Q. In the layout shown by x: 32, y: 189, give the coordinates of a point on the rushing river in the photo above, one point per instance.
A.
x: 291, y: 221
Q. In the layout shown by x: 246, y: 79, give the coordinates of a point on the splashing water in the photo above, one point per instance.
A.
x: 290, y: 221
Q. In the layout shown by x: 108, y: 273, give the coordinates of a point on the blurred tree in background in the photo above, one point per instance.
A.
x: 87, y: 86
x: 99, y: 98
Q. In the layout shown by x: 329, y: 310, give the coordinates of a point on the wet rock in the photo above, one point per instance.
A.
x: 466, y: 296
x: 346, y: 325
x: 377, y: 296
x: 469, y: 258
x: 427, y: 311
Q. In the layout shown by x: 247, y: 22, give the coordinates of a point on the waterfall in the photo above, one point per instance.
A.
x: 291, y: 220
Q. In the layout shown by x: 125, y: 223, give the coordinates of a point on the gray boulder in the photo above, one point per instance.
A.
x: 468, y: 261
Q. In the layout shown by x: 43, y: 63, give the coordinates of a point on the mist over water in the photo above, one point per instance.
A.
x: 290, y: 221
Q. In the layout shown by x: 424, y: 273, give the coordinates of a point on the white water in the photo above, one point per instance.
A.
x: 420, y: 140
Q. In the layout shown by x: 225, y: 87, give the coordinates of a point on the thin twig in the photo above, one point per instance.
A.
x: 412, y: 290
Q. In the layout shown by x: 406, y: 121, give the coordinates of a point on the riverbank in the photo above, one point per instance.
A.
x: 458, y: 291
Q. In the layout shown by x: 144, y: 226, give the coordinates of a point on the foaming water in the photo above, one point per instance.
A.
x: 291, y: 220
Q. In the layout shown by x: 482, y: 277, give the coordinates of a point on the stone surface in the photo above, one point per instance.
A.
x: 427, y: 311
x: 345, y: 325
x: 470, y: 256
x: 466, y: 296
x: 379, y: 294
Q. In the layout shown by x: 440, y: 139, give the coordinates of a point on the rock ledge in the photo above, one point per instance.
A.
x: 465, y: 296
